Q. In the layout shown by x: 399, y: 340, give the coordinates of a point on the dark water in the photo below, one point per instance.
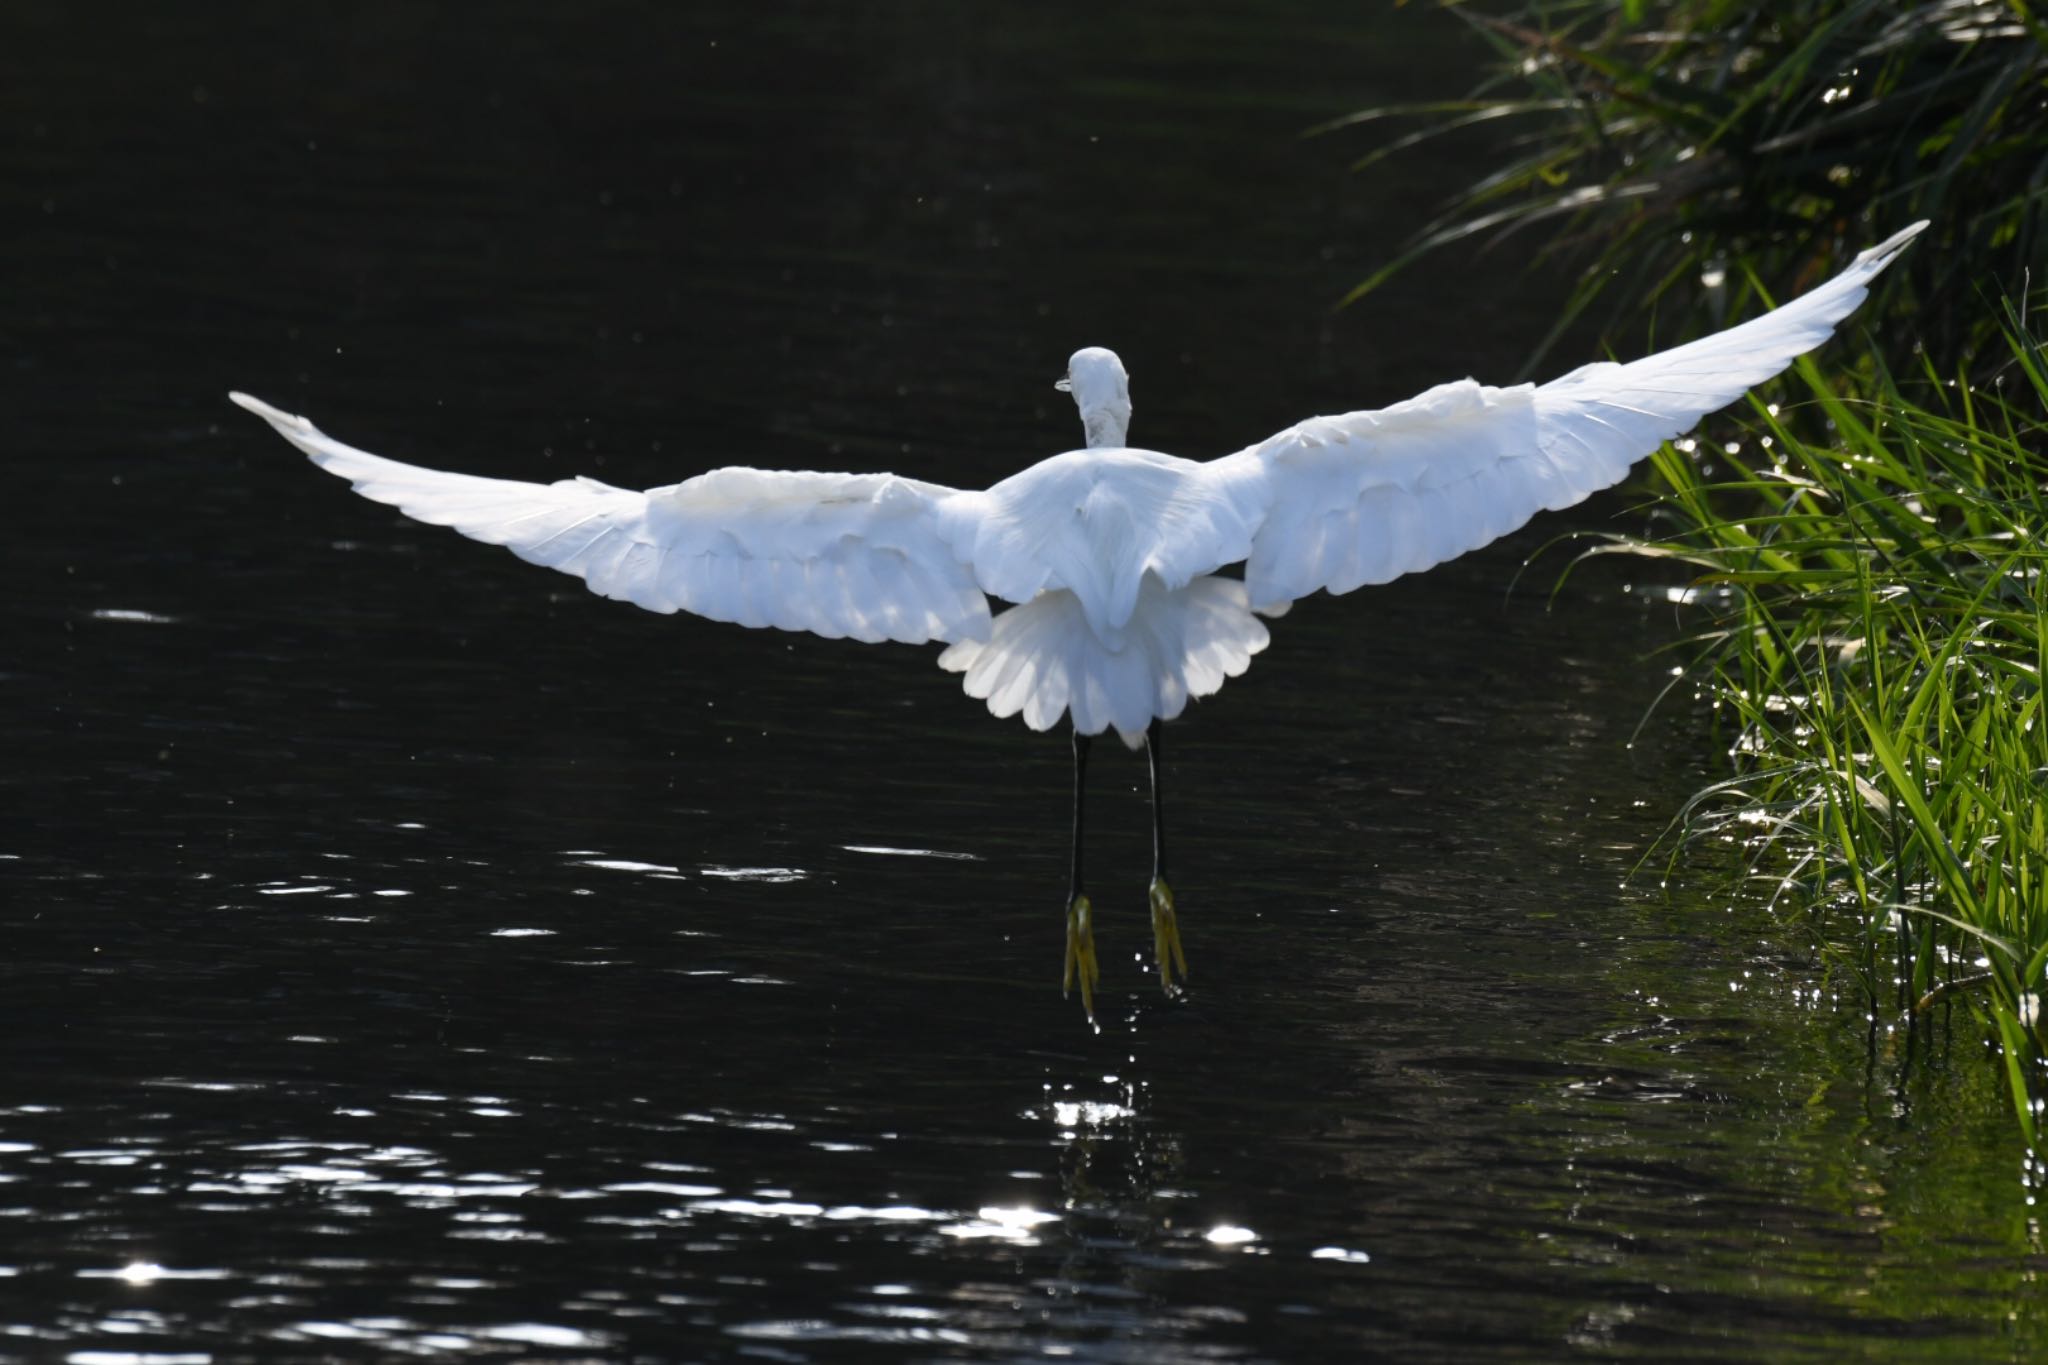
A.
x: 409, y: 954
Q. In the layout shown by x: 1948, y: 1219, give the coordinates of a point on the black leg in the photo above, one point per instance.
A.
x: 1153, y: 759
x: 1165, y: 923
x: 1082, y: 743
x: 1081, y: 960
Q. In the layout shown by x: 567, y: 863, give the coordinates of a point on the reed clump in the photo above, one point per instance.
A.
x: 1662, y: 146
x: 1875, y: 635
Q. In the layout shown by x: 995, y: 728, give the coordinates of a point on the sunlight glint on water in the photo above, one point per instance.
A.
x: 407, y: 956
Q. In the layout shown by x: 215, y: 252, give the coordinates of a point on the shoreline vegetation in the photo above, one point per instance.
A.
x: 1871, y: 632
x: 1671, y: 155
x: 1869, y: 609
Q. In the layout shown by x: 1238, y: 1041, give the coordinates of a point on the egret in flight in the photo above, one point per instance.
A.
x: 1110, y: 556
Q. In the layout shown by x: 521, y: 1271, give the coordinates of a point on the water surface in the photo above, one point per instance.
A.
x: 409, y: 953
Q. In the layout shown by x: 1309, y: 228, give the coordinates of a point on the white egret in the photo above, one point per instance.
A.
x: 1110, y: 554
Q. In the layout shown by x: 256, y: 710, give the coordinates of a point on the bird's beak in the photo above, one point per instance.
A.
x: 1063, y: 385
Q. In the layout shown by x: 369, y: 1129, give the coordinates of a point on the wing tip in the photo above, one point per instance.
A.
x: 1881, y: 255
x: 277, y: 417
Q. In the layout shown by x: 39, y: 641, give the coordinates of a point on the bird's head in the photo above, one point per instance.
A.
x: 1102, y: 391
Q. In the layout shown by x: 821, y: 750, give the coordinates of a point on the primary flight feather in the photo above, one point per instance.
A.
x: 1110, y: 554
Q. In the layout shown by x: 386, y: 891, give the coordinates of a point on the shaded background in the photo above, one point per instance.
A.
x: 407, y: 951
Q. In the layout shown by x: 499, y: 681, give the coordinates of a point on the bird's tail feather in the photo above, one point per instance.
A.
x: 1044, y: 660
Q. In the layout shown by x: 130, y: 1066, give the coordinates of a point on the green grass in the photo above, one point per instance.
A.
x: 1875, y: 640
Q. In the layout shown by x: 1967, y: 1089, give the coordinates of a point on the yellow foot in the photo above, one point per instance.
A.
x: 1166, y: 938
x: 1081, y: 953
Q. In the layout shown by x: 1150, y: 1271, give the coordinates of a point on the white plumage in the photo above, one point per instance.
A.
x: 1045, y: 658
x: 1110, y: 553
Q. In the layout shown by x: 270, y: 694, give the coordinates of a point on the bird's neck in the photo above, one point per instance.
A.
x: 1106, y: 427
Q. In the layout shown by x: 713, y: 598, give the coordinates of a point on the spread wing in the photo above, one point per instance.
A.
x: 1369, y: 496
x: 836, y: 554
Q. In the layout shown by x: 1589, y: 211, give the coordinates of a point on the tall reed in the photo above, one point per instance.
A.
x: 1875, y: 632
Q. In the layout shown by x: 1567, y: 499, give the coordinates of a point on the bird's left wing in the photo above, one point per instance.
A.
x: 836, y: 554
x: 1369, y: 496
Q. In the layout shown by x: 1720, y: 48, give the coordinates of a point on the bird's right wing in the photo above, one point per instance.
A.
x: 1368, y: 496
x: 836, y: 554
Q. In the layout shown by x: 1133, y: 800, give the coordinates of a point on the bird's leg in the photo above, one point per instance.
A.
x: 1080, y: 914
x: 1165, y: 925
